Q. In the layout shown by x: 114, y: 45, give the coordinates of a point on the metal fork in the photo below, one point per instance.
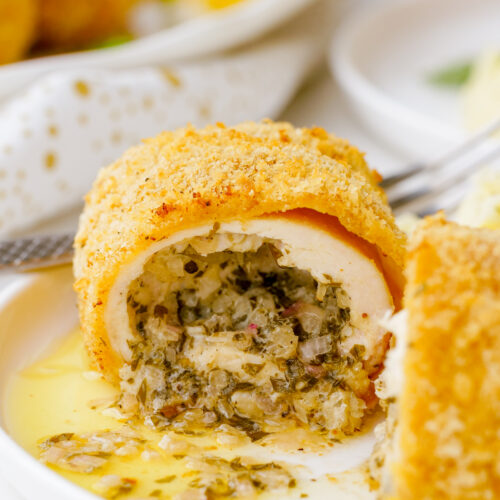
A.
x: 36, y: 252
x: 427, y: 187
x: 421, y: 189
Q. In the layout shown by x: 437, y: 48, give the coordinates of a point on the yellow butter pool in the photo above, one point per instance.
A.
x: 58, y: 394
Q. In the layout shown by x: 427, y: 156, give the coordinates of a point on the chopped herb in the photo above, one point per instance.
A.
x: 358, y: 351
x: 306, y: 383
x: 243, y: 386
x: 135, y: 362
x: 243, y: 284
x: 140, y: 329
x: 252, y: 368
x: 142, y: 392
x: 268, y: 466
x: 236, y: 464
x: 280, y: 385
x: 249, y: 427
x: 65, y: 436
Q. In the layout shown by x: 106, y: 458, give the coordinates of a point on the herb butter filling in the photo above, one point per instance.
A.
x: 231, y: 337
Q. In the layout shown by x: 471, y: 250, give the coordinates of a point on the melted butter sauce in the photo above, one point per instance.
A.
x: 57, y: 394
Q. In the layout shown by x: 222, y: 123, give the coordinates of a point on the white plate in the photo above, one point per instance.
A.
x: 197, y: 37
x: 38, y: 309
x: 34, y: 311
x: 383, y: 55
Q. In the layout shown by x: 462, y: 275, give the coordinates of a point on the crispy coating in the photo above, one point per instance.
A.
x: 187, y: 178
x: 75, y: 24
x: 450, y: 406
x: 17, y: 27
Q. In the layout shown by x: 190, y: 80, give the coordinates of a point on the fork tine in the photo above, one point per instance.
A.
x: 36, y: 252
x: 419, y: 197
x: 391, y: 180
x: 475, y: 139
x: 445, y: 158
x: 422, y: 205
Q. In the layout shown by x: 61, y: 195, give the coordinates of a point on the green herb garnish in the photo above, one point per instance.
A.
x: 454, y: 75
x: 112, y: 41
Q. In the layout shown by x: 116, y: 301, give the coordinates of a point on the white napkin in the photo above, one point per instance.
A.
x: 57, y: 134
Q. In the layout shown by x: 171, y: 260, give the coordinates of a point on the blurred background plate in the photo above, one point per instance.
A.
x: 384, y: 55
x: 199, y: 36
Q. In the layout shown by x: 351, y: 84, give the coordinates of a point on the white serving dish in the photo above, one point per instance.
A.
x: 383, y: 55
x: 197, y: 37
x: 34, y: 311
x: 38, y: 309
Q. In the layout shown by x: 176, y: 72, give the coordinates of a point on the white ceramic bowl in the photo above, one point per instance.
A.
x: 383, y: 55
x: 34, y: 310
x: 197, y: 37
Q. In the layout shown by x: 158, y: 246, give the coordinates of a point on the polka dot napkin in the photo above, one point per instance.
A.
x: 57, y: 133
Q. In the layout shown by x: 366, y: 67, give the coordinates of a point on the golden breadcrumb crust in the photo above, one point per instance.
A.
x: 187, y: 178
x: 17, y: 28
x: 77, y: 23
x: 450, y: 406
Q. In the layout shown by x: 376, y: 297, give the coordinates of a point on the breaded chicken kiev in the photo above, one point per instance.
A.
x: 442, y: 377
x: 78, y: 23
x: 17, y: 28
x: 238, y: 275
